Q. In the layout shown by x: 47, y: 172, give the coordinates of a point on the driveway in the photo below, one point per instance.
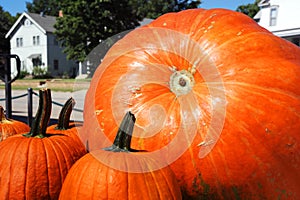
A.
x: 19, y: 105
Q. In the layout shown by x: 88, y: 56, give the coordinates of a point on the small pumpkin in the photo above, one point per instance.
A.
x: 217, y: 90
x: 64, y: 125
x: 9, y: 127
x: 35, y: 164
x: 118, y: 173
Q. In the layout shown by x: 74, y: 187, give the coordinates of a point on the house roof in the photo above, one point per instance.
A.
x: 44, y: 22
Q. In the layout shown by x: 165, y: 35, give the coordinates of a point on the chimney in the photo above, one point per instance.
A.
x: 60, y: 13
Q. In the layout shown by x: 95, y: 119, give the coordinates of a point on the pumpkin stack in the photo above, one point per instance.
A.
x: 35, y: 164
x: 216, y: 93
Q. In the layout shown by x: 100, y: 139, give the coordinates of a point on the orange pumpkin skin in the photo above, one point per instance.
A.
x: 256, y: 155
x: 9, y: 127
x: 91, y: 179
x: 35, y: 168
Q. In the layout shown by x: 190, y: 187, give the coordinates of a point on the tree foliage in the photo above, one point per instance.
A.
x: 47, y: 7
x: 87, y: 22
x: 249, y: 9
x: 6, y: 21
x: 154, y: 8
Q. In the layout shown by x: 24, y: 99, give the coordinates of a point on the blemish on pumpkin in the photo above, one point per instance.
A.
x: 289, y: 145
x: 98, y: 112
x: 134, y: 89
x: 210, y: 27
x: 137, y: 95
x: 127, y: 102
x: 165, y: 24
x: 267, y: 130
x: 205, y: 143
x: 239, y: 33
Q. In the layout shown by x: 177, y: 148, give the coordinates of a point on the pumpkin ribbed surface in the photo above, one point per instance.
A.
x: 34, y: 168
x: 91, y: 179
x: 120, y: 172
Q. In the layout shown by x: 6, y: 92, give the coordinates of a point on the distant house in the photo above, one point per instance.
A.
x: 32, y: 39
x: 281, y: 17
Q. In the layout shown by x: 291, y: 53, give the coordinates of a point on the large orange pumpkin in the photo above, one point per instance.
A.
x: 215, y: 93
x: 9, y: 127
x: 35, y: 164
x: 117, y: 172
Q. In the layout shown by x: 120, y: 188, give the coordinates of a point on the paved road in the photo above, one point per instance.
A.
x: 19, y: 106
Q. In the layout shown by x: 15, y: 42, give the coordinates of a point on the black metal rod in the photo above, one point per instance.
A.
x: 29, y: 106
x: 7, y: 78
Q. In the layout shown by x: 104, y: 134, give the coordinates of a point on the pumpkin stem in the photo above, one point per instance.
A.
x: 42, y: 117
x: 2, y: 115
x: 64, y: 115
x: 123, y: 138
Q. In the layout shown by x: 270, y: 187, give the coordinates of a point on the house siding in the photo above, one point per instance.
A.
x: 287, y: 26
x: 65, y: 67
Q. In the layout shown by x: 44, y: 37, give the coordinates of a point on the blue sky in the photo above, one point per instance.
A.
x: 15, y: 6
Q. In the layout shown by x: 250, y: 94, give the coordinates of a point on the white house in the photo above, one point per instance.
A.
x: 32, y: 39
x: 281, y: 17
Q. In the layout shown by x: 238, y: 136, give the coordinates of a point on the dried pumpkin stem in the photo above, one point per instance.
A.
x: 64, y: 115
x: 123, y: 138
x: 42, y: 117
x: 2, y: 115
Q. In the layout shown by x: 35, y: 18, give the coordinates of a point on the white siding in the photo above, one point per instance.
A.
x: 287, y: 19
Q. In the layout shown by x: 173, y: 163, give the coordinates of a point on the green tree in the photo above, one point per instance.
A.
x: 249, y: 9
x: 6, y: 21
x: 47, y: 7
x: 87, y: 22
x: 154, y: 8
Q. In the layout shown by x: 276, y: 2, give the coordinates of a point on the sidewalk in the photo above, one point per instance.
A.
x: 19, y: 106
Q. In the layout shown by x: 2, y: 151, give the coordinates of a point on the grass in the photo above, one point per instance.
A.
x: 64, y: 85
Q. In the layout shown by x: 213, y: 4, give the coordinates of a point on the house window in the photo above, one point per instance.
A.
x: 273, y: 16
x: 19, y: 42
x: 27, y: 22
x: 55, y: 64
x: 36, y: 40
